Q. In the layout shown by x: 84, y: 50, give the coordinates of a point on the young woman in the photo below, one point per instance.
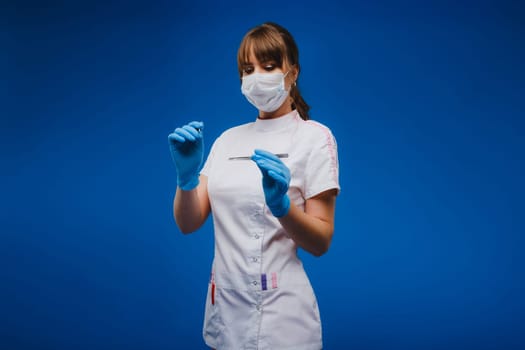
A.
x: 271, y: 186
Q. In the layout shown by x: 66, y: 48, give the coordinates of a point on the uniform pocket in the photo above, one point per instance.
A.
x: 291, y: 318
x: 213, y: 325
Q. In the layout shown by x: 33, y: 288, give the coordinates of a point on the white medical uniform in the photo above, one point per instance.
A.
x: 259, y: 296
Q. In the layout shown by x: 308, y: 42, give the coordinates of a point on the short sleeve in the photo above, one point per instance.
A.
x: 322, y: 168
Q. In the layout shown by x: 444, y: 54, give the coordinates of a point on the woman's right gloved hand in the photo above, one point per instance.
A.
x: 187, y: 152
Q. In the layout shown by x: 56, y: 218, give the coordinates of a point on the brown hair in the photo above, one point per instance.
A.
x: 271, y: 42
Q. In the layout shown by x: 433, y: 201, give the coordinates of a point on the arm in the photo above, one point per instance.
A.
x: 191, y: 208
x: 313, y: 228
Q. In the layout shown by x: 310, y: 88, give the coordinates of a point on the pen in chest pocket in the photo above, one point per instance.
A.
x: 279, y: 155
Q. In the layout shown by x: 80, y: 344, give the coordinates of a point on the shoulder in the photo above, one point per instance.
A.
x: 314, y: 130
x: 316, y: 126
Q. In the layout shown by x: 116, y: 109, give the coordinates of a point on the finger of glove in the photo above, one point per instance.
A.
x: 264, y: 164
x: 192, y: 131
x: 184, y: 134
x: 197, y: 125
x: 280, y: 180
x: 271, y: 159
x: 263, y: 170
x: 265, y: 160
x: 269, y: 165
x: 174, y: 137
x: 267, y: 155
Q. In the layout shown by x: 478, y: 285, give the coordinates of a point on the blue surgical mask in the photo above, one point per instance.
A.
x: 266, y: 91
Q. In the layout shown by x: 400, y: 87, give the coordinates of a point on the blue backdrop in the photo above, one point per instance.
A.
x: 426, y: 100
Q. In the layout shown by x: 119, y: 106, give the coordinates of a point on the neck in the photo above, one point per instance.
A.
x: 283, y: 110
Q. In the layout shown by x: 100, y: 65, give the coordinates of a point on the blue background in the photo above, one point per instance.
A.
x: 426, y: 100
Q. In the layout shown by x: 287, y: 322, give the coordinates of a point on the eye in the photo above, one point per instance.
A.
x: 247, y: 70
x: 269, y: 67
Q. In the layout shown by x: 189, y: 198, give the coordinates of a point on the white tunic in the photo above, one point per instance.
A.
x: 259, y: 296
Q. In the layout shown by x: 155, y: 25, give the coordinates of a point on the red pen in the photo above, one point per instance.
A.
x: 213, y: 293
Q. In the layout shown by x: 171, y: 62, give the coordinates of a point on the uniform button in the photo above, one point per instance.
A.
x: 254, y: 283
x: 255, y: 259
x: 258, y: 307
x: 256, y: 236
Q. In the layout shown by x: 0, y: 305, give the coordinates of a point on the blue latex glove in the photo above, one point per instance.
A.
x: 187, y: 152
x: 275, y: 181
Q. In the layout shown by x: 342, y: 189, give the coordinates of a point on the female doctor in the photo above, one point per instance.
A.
x: 271, y: 186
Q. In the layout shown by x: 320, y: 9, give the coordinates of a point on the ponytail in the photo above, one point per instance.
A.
x: 299, y: 103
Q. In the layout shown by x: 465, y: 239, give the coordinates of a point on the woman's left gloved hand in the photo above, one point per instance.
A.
x: 275, y: 181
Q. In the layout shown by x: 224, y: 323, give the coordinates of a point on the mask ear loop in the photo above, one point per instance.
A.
x: 284, y: 83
